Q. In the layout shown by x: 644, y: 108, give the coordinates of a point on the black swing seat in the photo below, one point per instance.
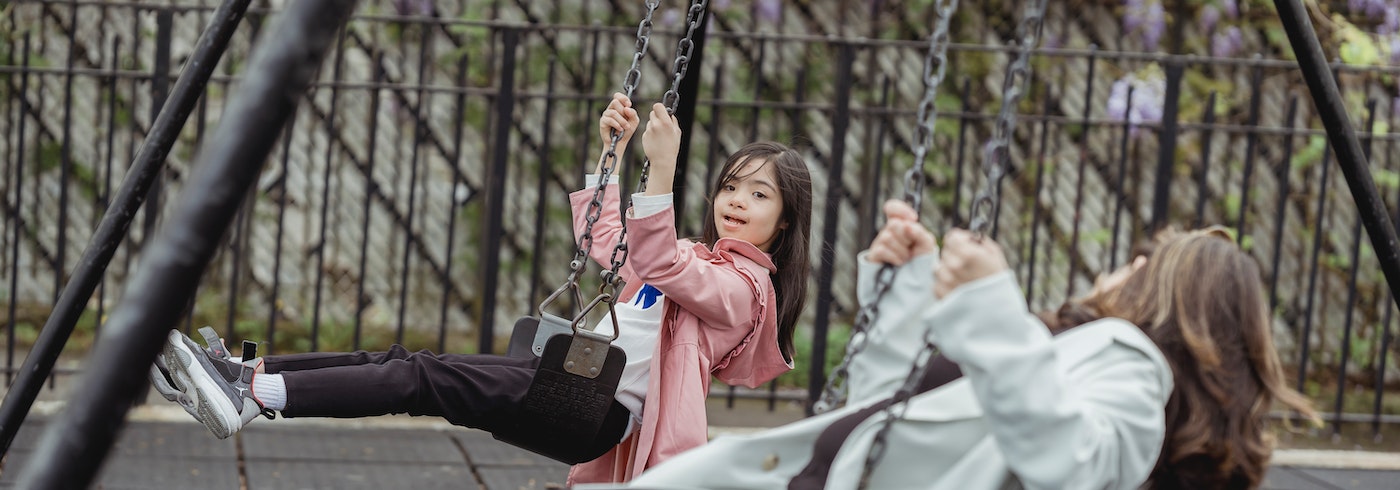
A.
x: 570, y: 395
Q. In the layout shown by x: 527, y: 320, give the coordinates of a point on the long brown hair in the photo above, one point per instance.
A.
x: 789, y: 249
x: 1200, y: 299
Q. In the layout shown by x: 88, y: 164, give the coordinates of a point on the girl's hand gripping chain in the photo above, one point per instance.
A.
x: 618, y: 117
x: 902, y: 238
x: 966, y: 258
x: 662, y: 142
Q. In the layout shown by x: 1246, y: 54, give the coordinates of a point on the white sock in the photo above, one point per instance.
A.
x: 270, y: 390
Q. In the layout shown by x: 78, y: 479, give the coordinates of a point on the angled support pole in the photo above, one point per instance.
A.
x: 1350, y: 158
x: 72, y: 448
x: 145, y: 169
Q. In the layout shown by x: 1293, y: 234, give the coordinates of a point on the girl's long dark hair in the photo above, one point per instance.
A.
x: 789, y: 249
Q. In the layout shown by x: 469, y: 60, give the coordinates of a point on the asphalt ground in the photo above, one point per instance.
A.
x: 162, y: 448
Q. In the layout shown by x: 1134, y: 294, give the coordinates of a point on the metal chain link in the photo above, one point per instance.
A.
x: 595, y: 206
x: 935, y: 67
x: 1013, y: 87
x: 613, y: 277
x: 994, y: 164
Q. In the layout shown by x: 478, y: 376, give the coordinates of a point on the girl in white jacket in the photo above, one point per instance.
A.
x: 1167, y: 381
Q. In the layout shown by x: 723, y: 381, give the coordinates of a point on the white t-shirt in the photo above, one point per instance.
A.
x: 640, y: 322
x: 639, y: 319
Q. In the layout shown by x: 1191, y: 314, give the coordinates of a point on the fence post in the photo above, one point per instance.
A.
x: 73, y: 447
x: 160, y: 84
x: 835, y: 193
x: 495, y: 191
x: 150, y: 159
x: 1166, y: 152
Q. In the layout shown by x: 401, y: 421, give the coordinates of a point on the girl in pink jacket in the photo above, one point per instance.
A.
x: 726, y: 307
x: 729, y: 302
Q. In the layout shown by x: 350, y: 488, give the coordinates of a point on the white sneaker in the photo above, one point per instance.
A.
x: 215, y: 389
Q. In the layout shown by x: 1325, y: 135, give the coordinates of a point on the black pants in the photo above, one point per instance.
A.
x: 474, y: 390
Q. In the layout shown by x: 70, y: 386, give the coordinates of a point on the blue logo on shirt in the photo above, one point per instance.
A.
x: 646, y: 296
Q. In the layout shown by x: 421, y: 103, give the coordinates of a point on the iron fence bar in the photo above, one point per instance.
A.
x: 1203, y: 173
x: 1166, y: 155
x: 1082, y: 144
x: 1351, y: 285
x: 1251, y: 143
x: 1306, y: 337
x: 460, y: 125
x: 274, y: 299
x: 1332, y: 110
x: 1283, y: 171
x: 961, y: 146
x: 66, y: 161
x: 103, y: 245
x: 371, y: 188
x: 1119, y: 192
x: 505, y: 108
x: 421, y: 112
x: 322, y: 243
x: 105, y: 196
x: 159, y: 92
x: 72, y: 449
x: 10, y: 418
x: 1035, y: 196
x: 835, y: 195
x: 712, y: 149
x: 1384, y: 351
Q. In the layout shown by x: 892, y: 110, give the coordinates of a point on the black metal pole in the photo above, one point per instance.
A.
x: 149, y: 162
x: 835, y: 195
x: 495, y: 192
x: 685, y: 110
x: 72, y: 449
x: 1332, y: 109
x: 1166, y: 153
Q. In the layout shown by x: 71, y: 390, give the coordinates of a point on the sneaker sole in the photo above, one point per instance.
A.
x: 214, y: 409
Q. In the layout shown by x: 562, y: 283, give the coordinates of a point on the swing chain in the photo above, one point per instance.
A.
x: 896, y: 409
x: 684, y: 48
x: 935, y: 67
x: 996, y: 154
x: 994, y: 164
x: 595, y: 206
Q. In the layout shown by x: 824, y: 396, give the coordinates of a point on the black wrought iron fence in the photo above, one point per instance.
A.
x: 419, y: 196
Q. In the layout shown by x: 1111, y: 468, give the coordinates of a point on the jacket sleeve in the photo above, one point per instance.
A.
x: 1098, y: 426
x: 716, y: 290
x: 608, y: 227
x: 896, y: 334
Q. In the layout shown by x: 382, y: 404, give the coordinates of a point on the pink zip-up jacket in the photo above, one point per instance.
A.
x: 720, y: 319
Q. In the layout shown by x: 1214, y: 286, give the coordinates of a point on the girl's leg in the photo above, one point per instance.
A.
x: 480, y: 391
x: 318, y: 360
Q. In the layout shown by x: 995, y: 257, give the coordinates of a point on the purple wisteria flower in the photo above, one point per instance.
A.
x: 1147, y: 18
x: 769, y: 10
x: 1391, y: 24
x: 671, y: 17
x: 413, y: 7
x: 1148, y: 94
x: 1227, y: 42
x: 1210, y: 15
x: 1231, y: 7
